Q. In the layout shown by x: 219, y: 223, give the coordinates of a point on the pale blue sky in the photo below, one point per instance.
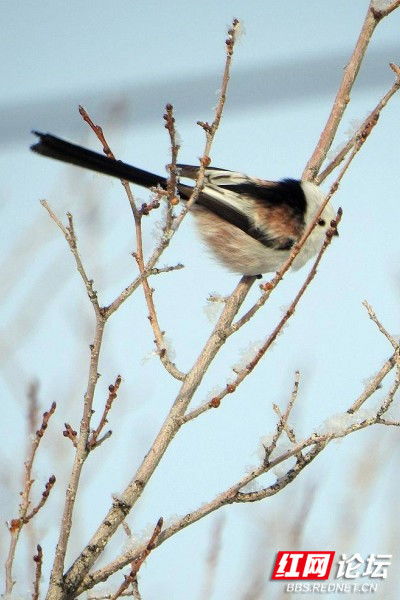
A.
x: 137, y: 56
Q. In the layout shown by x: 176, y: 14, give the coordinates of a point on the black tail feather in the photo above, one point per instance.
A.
x: 54, y: 147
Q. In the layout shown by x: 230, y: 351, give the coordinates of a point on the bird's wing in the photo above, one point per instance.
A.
x: 238, y: 199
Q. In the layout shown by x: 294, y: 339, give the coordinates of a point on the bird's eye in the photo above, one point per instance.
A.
x: 321, y: 222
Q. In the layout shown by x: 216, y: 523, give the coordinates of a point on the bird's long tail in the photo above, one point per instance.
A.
x: 54, y: 147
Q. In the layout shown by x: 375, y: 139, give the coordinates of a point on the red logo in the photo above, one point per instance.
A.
x: 302, y: 565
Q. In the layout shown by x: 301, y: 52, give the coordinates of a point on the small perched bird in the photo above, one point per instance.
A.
x: 249, y: 224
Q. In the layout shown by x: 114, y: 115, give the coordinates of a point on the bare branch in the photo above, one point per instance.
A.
x: 153, y: 318
x: 282, y: 423
x: 137, y: 563
x: 15, y: 525
x: 151, y: 544
x: 290, y: 434
x: 386, y: 404
x: 389, y: 422
x: 228, y: 497
x: 93, y: 441
x: 374, y: 384
x: 128, y: 291
x: 98, y: 131
x: 138, y: 255
x: 45, y: 494
x: 38, y: 559
x: 364, y: 130
x: 372, y: 18
x: 210, y: 130
x: 70, y: 236
x: 374, y: 318
x: 173, y: 171
x: 56, y: 578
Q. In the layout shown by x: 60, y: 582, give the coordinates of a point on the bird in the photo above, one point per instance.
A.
x: 249, y: 224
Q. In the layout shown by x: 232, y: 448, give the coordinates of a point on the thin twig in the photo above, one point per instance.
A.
x: 167, y: 233
x: 374, y: 384
x: 372, y: 18
x: 290, y: 434
x: 137, y: 563
x: 98, y: 132
x: 387, y: 403
x: 313, y: 271
x: 38, y: 559
x: 210, y: 130
x: 45, y: 494
x: 283, y: 419
x: 70, y: 236
x: 319, y: 441
x: 16, y: 524
x: 128, y: 291
x: 112, y: 395
x: 33, y: 416
x: 153, y: 317
x: 374, y: 318
x: 82, y: 451
x: 172, y: 168
x: 364, y: 130
x: 138, y: 255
